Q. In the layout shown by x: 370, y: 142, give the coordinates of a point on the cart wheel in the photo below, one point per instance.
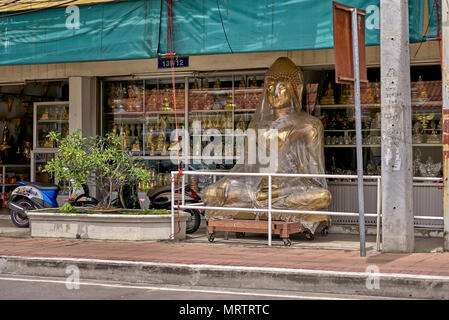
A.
x: 325, y: 231
x: 287, y: 242
x: 240, y: 234
x: 211, y: 237
x: 309, y: 235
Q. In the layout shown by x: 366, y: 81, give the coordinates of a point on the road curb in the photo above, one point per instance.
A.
x: 325, y: 281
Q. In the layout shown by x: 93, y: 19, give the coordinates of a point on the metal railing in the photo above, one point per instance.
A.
x: 270, y: 210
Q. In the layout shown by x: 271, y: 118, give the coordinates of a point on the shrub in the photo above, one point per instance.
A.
x: 102, y: 159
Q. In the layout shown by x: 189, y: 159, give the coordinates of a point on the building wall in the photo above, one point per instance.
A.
x: 425, y: 53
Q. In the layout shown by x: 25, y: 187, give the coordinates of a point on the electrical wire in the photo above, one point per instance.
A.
x: 222, y: 25
x: 171, y: 54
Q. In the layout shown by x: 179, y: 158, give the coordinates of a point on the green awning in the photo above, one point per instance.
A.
x: 137, y: 29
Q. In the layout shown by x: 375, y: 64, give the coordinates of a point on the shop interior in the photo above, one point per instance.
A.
x: 142, y: 113
x: 18, y: 126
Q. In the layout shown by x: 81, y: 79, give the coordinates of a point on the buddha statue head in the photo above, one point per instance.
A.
x: 284, y: 82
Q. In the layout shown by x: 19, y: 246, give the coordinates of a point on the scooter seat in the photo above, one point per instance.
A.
x: 43, y: 186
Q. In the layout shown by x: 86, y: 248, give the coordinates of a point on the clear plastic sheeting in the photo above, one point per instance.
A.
x: 298, y: 136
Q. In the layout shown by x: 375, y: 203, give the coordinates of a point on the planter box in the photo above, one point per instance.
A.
x: 105, y: 226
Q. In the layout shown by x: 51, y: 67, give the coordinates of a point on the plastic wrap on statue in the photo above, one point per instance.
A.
x: 279, y: 117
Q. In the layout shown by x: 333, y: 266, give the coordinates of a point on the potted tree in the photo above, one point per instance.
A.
x: 101, y: 160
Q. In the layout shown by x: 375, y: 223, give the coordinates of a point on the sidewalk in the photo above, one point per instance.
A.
x: 246, y: 262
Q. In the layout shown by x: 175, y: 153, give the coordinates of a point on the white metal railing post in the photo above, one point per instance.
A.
x: 172, y: 235
x: 379, y: 211
x: 183, y: 190
x: 269, y: 210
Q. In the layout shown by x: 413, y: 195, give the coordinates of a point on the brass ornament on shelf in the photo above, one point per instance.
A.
x: 165, y: 107
x: 136, y: 146
x: 10, y: 103
x: 217, y: 84
x: 4, y: 146
x: 65, y: 114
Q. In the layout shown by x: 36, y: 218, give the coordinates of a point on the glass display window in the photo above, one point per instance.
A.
x: 336, y: 111
x: 50, y: 116
x: 142, y: 114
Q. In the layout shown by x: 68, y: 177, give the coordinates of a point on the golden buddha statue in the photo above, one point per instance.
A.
x: 242, y: 84
x: 328, y: 97
x: 161, y: 144
x: 195, y: 84
x: 229, y: 105
x: 376, y: 94
x: 165, y: 105
x: 346, y: 96
x: 217, y: 84
x: 136, y: 146
x: 254, y: 83
x: 45, y: 115
x: 123, y: 137
x: 300, y: 150
x: 4, y: 146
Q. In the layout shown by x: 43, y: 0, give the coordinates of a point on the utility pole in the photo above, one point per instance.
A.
x: 445, y: 82
x: 396, y: 132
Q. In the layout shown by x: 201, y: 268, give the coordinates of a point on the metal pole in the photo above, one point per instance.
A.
x: 269, y: 210
x: 445, y: 81
x: 379, y: 210
x: 172, y: 235
x: 358, y: 127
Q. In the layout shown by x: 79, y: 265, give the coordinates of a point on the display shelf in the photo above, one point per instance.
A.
x: 53, y: 121
x: 416, y: 105
x: 378, y: 145
x: 350, y: 130
x: 4, y: 185
x: 351, y: 146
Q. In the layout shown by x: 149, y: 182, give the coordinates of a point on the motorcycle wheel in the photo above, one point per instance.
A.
x: 18, y: 218
x: 194, y: 221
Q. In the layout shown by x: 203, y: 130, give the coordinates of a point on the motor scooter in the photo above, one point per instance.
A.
x: 160, y: 198
x: 35, y: 195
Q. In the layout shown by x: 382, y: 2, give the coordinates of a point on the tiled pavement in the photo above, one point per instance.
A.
x: 229, y: 254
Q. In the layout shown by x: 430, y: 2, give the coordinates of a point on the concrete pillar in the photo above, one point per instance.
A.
x: 397, y: 160
x: 445, y: 81
x: 84, y: 108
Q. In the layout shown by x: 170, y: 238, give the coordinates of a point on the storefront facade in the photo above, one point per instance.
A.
x: 133, y: 98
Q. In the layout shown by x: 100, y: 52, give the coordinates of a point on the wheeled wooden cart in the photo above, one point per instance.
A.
x: 281, y: 228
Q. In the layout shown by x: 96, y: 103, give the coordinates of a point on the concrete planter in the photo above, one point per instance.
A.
x: 49, y: 224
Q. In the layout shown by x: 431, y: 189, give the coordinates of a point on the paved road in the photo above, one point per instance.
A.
x: 36, y: 288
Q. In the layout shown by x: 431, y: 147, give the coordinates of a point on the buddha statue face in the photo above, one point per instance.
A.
x: 279, y: 93
x: 284, y: 82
